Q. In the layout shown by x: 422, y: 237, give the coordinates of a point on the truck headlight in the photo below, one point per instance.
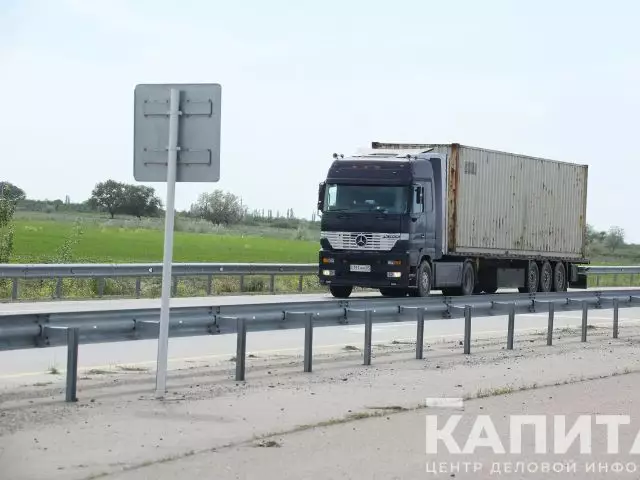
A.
x: 394, y: 274
x: 328, y: 273
x: 328, y: 260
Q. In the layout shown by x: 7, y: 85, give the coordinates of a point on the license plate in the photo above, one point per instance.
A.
x: 360, y: 268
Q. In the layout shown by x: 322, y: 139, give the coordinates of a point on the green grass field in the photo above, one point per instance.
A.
x: 100, y: 241
x: 54, y: 238
x: 50, y: 238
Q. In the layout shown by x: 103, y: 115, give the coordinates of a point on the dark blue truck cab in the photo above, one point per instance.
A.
x: 390, y: 222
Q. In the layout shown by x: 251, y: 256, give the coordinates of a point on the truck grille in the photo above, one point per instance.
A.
x: 363, y: 240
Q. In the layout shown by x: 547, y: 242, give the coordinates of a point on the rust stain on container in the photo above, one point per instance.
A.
x: 454, y: 160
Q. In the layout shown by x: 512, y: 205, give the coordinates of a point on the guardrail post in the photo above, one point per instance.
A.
x: 272, y: 283
x: 420, y: 334
x: 241, y: 349
x: 368, y: 327
x: 138, y: 287
x: 59, y: 288
x: 241, y: 283
x: 615, y: 317
x: 174, y: 287
x: 308, y: 343
x: 101, y: 283
x: 73, y: 337
x: 511, y: 326
x: 209, y: 284
x: 585, y: 309
x: 14, y: 288
x: 300, y: 283
x: 467, y: 329
x: 552, y: 308
x: 597, y: 280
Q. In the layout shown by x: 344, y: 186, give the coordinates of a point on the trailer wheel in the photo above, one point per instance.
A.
x: 546, y: 277
x: 559, y: 278
x: 424, y: 279
x: 340, y: 291
x: 533, y: 278
x: 468, y: 279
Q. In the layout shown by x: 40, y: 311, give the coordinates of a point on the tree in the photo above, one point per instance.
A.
x: 590, y: 234
x: 11, y: 192
x: 108, y: 195
x: 140, y: 201
x: 614, y: 238
x: 219, y: 207
x: 7, y: 209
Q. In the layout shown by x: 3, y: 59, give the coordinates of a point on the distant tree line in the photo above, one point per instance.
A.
x: 118, y: 198
x: 612, y: 239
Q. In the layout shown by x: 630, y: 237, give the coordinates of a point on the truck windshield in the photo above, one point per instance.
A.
x: 366, y: 198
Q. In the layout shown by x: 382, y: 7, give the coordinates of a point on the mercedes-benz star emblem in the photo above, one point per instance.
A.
x: 361, y: 240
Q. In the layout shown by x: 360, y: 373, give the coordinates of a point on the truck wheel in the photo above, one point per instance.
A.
x: 546, y: 277
x: 559, y: 278
x: 424, y: 279
x: 468, y: 279
x: 533, y: 278
x: 340, y: 291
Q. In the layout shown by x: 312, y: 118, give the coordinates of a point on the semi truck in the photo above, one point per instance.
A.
x: 408, y: 219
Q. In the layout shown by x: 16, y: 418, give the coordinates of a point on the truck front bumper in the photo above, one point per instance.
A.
x: 364, y: 269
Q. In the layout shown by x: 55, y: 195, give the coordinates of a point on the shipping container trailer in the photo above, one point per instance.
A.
x: 411, y: 218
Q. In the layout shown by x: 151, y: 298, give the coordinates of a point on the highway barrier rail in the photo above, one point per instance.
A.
x: 70, y: 327
x: 617, y: 276
x: 15, y: 273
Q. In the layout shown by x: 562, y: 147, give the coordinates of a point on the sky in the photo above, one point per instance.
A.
x: 302, y: 80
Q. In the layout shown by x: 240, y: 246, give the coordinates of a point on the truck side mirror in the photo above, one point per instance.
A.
x: 418, y: 197
x: 321, y: 192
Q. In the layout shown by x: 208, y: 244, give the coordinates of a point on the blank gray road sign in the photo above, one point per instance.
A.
x: 198, y: 132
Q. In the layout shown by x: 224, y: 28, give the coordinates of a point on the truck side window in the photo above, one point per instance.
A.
x: 331, y: 195
x: 428, y: 196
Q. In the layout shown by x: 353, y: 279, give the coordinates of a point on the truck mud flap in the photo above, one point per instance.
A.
x: 580, y: 282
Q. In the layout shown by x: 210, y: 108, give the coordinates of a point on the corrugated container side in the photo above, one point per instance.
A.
x: 502, y: 203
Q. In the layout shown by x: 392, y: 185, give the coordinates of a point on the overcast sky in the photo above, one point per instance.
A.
x: 301, y: 80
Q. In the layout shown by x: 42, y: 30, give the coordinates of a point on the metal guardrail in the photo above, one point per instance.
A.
x: 598, y: 271
x: 24, y: 331
x: 140, y: 271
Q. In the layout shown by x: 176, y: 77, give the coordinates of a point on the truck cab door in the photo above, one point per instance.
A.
x: 423, y: 223
x: 417, y: 226
x: 429, y: 218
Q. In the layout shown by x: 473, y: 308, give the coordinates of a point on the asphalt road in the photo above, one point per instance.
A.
x: 393, y: 447
x: 130, y: 304
x: 29, y: 366
x: 209, y: 422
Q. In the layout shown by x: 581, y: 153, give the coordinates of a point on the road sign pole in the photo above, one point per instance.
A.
x: 172, y: 161
x: 164, y: 113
